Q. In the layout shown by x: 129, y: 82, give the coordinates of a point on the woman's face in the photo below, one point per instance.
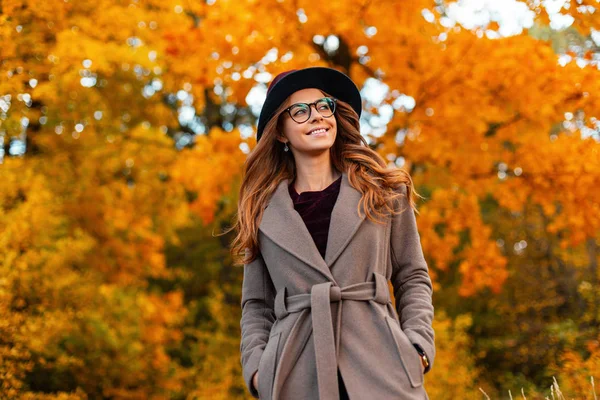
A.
x: 300, y: 138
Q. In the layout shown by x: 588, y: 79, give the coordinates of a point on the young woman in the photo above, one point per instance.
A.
x: 324, y: 225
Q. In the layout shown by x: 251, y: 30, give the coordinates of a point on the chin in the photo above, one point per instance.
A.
x: 316, y: 149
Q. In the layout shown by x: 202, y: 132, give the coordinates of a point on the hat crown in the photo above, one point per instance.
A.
x: 278, y: 78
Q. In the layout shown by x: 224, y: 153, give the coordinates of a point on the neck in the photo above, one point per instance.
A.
x: 313, y: 180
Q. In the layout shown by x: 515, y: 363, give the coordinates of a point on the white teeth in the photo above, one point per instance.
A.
x: 318, y: 131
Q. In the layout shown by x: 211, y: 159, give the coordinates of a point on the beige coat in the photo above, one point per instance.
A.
x: 304, y: 316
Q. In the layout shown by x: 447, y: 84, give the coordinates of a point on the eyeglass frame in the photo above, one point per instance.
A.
x: 310, y: 109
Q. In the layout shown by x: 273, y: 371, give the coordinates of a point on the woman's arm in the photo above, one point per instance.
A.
x: 258, y: 316
x: 410, y: 279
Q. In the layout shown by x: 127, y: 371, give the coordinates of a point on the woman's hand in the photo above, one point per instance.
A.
x: 255, y: 381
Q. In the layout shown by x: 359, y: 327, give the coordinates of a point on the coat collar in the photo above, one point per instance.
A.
x: 284, y: 226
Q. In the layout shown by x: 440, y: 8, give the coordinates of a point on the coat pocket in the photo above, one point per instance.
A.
x: 266, y: 368
x: 411, y: 361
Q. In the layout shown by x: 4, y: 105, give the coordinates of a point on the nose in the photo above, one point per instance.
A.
x: 315, y: 115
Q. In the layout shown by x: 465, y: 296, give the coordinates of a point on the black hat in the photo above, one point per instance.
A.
x: 332, y: 81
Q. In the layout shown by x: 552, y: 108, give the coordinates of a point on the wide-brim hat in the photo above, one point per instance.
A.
x: 332, y: 81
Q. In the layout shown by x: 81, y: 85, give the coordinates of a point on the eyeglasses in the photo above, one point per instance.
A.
x: 300, y: 112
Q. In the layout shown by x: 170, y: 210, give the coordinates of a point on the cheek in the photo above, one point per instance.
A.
x: 291, y: 130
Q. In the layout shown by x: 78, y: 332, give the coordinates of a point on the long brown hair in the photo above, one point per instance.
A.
x: 267, y: 165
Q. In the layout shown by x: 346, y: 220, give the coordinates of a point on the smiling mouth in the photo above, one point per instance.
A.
x: 320, y: 130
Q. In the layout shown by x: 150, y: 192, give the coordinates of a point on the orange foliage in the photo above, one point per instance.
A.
x: 87, y: 211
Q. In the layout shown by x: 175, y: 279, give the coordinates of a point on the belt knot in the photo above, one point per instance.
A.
x: 335, y: 293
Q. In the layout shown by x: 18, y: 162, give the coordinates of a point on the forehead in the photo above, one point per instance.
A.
x: 305, y: 96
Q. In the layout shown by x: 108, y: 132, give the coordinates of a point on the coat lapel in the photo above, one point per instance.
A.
x: 284, y: 226
x: 344, y: 221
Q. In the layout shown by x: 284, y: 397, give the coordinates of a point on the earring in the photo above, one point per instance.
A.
x: 286, y: 148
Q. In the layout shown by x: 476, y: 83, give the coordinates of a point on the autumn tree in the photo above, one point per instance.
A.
x: 124, y: 127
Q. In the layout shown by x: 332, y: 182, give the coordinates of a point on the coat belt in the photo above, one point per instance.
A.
x: 326, y: 341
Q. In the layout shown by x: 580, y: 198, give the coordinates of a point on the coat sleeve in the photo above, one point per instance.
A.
x: 411, y: 281
x: 258, y: 294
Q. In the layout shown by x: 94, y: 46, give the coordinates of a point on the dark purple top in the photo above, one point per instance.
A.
x: 315, y: 209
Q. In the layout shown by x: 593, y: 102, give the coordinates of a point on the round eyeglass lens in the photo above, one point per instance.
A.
x: 299, y: 113
x: 326, y: 107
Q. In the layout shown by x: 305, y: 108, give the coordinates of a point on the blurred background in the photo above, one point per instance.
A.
x: 124, y: 125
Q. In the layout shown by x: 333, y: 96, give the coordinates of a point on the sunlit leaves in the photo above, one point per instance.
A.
x: 131, y: 119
